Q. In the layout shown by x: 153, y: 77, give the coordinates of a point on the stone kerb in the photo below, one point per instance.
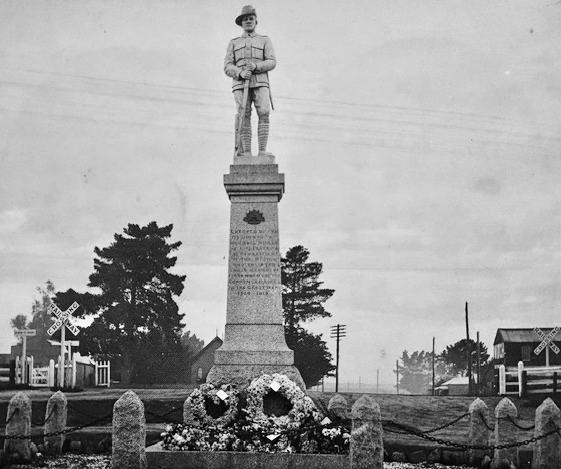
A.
x: 18, y: 422
x: 367, y: 447
x: 338, y: 407
x: 505, y: 433
x: 129, y: 433
x: 478, y: 430
x: 547, y: 451
x: 55, y: 421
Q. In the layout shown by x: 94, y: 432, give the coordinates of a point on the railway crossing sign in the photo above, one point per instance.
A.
x: 547, y: 342
x: 63, y: 317
x: 63, y: 321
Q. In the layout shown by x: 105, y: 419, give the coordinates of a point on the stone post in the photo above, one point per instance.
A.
x: 18, y: 422
x: 338, y: 408
x: 129, y: 433
x: 547, y: 451
x: 505, y: 433
x: 478, y: 431
x: 55, y: 421
x: 367, y: 447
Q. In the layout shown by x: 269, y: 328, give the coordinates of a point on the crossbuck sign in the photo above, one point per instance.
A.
x: 63, y: 317
x: 547, y: 342
x: 63, y: 322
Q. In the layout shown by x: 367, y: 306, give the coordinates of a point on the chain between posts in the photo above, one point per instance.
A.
x: 57, y: 433
x: 464, y: 446
x: 43, y: 422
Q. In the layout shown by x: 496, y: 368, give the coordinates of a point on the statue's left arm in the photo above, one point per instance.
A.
x: 269, y: 60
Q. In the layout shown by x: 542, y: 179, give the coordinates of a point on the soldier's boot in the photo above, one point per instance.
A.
x: 263, y: 135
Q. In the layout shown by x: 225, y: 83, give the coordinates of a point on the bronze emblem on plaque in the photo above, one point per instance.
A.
x: 254, y: 217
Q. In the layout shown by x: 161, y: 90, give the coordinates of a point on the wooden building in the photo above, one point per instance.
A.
x: 514, y: 345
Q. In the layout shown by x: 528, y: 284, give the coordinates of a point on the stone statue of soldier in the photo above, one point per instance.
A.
x: 248, y: 59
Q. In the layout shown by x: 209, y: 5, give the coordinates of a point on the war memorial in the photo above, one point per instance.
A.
x: 254, y: 411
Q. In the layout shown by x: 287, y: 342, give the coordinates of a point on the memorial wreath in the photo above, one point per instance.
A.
x: 224, y: 398
x: 303, y: 408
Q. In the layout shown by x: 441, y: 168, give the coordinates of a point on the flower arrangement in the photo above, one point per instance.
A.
x: 303, y: 408
x: 224, y: 398
x: 253, y: 430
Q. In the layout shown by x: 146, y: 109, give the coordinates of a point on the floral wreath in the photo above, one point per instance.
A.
x: 224, y: 394
x: 303, y: 407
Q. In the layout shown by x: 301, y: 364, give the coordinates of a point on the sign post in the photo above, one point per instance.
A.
x: 547, y: 342
x: 62, y: 322
x: 24, y: 333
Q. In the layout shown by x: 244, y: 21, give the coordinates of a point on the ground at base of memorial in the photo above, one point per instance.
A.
x: 80, y: 461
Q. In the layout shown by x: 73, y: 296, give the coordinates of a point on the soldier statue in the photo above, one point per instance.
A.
x: 248, y: 59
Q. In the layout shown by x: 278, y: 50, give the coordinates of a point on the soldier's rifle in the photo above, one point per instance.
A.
x: 242, y: 118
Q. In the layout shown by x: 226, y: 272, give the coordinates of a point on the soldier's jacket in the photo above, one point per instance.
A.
x: 249, y: 48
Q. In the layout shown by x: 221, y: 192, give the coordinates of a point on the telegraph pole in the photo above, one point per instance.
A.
x: 433, y: 339
x: 377, y: 380
x: 470, y: 382
x: 337, y: 332
x: 478, y: 365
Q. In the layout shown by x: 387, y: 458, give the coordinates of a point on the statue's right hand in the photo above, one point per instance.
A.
x: 246, y: 74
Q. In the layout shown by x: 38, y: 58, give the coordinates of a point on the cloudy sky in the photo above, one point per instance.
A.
x: 420, y: 141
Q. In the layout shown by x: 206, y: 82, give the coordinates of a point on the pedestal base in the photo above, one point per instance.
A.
x: 242, y: 375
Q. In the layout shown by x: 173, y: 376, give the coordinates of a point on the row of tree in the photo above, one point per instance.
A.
x: 416, y: 368
x: 136, y: 322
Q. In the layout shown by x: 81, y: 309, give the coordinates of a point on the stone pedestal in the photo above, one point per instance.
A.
x: 254, y: 337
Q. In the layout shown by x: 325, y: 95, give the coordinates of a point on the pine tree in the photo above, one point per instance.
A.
x: 302, y: 300
x: 136, y: 319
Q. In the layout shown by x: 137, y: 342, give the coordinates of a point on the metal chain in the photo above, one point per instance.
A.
x: 484, y: 420
x: 446, y: 425
x: 468, y: 446
x: 12, y: 416
x: 43, y: 422
x: 57, y: 433
x: 511, y: 420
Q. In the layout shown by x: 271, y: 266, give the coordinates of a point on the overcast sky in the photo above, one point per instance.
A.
x: 420, y: 142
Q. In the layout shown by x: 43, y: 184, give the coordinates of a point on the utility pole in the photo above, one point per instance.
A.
x: 397, y: 375
x: 478, y: 365
x: 337, y: 332
x: 433, y: 339
x: 470, y: 382
x: 377, y: 380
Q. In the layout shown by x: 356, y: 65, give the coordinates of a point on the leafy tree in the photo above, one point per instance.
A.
x: 455, y: 355
x: 136, y: 321
x: 302, y: 300
x: 191, y: 344
x: 18, y: 322
x: 415, y: 372
x: 41, y: 319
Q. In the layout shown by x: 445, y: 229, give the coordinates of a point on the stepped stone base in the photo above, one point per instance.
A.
x: 242, y: 375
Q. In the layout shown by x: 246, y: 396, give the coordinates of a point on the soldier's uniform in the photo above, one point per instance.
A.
x: 251, y: 47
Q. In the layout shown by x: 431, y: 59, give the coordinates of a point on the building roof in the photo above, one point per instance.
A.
x: 206, y: 347
x: 522, y: 335
x: 463, y: 380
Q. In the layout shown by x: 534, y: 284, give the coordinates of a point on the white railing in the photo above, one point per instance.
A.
x: 103, y: 373
x: 523, y: 380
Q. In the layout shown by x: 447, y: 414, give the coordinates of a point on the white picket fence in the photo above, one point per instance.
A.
x: 103, y: 373
x: 47, y: 376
